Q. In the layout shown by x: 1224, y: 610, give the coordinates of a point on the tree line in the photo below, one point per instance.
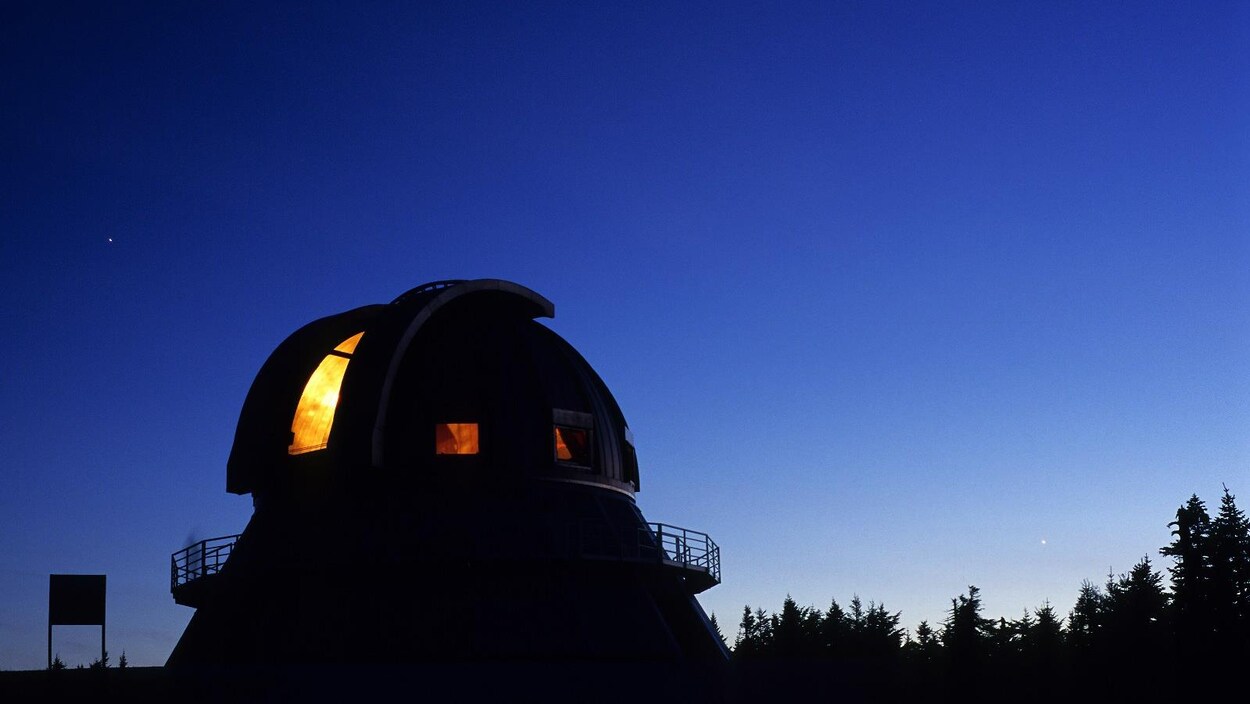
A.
x: 1128, y: 632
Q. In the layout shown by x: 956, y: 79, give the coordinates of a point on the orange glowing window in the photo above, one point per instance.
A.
x: 573, y: 445
x: 348, y: 346
x: 314, y: 415
x: 455, y: 439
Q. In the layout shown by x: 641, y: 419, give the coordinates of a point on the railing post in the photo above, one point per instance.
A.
x: 196, y: 560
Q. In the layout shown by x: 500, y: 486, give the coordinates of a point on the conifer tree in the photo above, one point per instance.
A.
x: 926, y: 647
x: 764, y: 632
x: 964, y: 636
x: 880, y: 635
x: 1136, y: 622
x: 1085, y: 622
x: 813, y: 632
x: 1191, y: 579
x: 1007, y: 650
x: 1040, y: 661
x: 712, y: 620
x: 788, y: 630
x: 747, y: 643
x: 835, y: 631
x: 1003, y: 641
x: 855, y: 645
x: 924, y: 659
x: 1230, y: 576
x: 1045, y: 637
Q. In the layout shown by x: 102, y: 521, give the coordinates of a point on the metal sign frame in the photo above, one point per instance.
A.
x: 76, y: 600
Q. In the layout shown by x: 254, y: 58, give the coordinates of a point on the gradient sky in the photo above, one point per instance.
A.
x: 897, y: 298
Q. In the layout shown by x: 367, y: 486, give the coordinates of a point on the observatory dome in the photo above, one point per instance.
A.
x: 440, y: 477
x: 453, y: 383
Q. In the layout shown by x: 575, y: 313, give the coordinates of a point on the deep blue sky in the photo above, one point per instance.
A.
x: 890, y: 293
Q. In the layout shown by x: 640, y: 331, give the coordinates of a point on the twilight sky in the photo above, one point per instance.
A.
x: 897, y: 298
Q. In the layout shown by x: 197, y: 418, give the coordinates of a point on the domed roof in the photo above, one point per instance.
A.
x: 452, y: 383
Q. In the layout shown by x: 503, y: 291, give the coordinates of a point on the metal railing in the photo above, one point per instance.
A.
x: 432, y: 286
x: 199, y: 560
x: 688, y: 548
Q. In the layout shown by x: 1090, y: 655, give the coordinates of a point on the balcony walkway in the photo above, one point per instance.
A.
x: 194, y: 568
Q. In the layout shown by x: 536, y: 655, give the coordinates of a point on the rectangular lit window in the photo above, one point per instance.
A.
x: 455, y: 439
x: 573, y: 445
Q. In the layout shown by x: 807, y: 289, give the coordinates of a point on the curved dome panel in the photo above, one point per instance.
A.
x: 263, y: 436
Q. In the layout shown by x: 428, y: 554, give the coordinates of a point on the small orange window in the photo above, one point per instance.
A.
x: 455, y: 439
x: 573, y: 445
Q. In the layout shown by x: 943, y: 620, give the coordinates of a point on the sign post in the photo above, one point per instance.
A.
x: 76, y: 600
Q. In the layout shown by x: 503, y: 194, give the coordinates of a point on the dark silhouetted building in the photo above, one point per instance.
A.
x: 440, y: 479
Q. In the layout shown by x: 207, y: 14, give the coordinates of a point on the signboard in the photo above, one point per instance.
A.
x: 76, y: 599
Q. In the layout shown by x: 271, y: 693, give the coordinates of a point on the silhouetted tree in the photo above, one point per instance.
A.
x: 875, y: 631
x: 925, y: 648
x: 788, y: 630
x: 712, y: 620
x: 1021, y: 628
x: 964, y: 635
x: 102, y: 662
x: 814, y: 632
x: 1045, y: 640
x: 1035, y: 668
x: 835, y: 631
x: 1007, y: 645
x: 795, y: 632
x: 765, y: 632
x: 1004, y: 642
x: 855, y: 626
x: 924, y: 662
x: 1191, y: 580
x: 1137, y: 629
x: 123, y: 663
x: 745, y: 643
x: 57, y: 663
x: 1230, y: 577
x: 754, y: 634
x: 1085, y: 624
